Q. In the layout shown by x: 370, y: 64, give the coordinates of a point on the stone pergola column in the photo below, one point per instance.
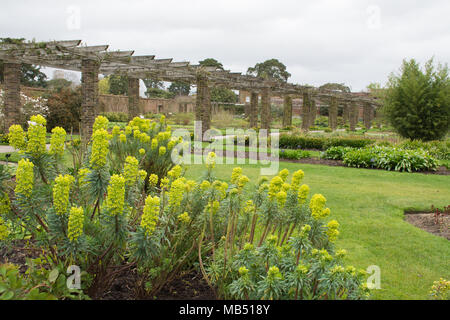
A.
x: 312, y: 112
x: 133, y: 97
x: 287, y: 111
x: 353, y: 116
x: 89, y: 91
x: 346, y: 114
x: 203, y: 103
x: 333, y: 113
x: 367, y: 115
x: 306, y: 111
x: 265, y: 109
x: 12, y: 72
x: 253, y: 116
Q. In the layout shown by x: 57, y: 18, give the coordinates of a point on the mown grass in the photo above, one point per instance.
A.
x: 369, y: 205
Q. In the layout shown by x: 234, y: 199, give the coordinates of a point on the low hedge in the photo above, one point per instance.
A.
x: 387, y: 158
x: 289, y: 141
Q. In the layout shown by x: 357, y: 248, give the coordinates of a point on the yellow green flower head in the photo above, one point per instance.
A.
x: 4, y: 232
x: 57, y: 141
x: 61, y: 191
x: 141, y: 151
x: 275, y: 186
x: 100, y: 148
x: 243, y: 271
x: 38, y: 119
x: 248, y: 247
x: 131, y: 170
x: 24, y: 177
x: 175, y: 172
x: 36, y: 137
x: 297, y: 178
x: 301, y: 269
x: 263, y: 187
x: 162, y: 151
x: 337, y: 269
x: 115, y: 131
x: 164, y: 183
x: 281, y: 198
x: 325, y: 256
x: 284, y: 174
x: 234, y: 191
x: 5, y: 203
x: 176, y: 193
x: 332, y: 230
x: 273, y: 273
x: 82, y: 174
x: 303, y: 193
x: 128, y: 130
x: 341, y: 253
x: 101, y: 122
x: 150, y: 215
x: 75, y: 224
x: 262, y: 180
x: 317, y: 205
x: 17, y: 137
x: 122, y: 138
x: 153, y: 180
x: 184, y: 218
x: 286, y: 187
x: 236, y: 174
x: 171, y: 144
x: 304, y: 231
x: 211, y: 160
x: 242, y: 181
x: 144, y: 138
x: 154, y: 143
x: 213, y: 207
x: 190, y: 185
x: 205, y: 185
x: 142, y: 175
x: 115, y: 199
x: 351, y: 270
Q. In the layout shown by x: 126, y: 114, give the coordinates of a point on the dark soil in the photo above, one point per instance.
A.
x: 17, y: 253
x: 426, y: 221
x: 190, y: 286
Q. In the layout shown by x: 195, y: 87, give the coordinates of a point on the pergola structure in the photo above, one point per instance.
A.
x: 94, y: 60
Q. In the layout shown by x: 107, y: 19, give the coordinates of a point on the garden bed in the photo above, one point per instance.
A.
x: 426, y: 221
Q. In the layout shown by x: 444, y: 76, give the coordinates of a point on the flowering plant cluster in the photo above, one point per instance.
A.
x: 108, y: 214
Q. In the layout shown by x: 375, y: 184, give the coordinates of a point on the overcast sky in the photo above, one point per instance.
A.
x: 351, y: 42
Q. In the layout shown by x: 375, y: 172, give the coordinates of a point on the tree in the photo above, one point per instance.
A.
x: 103, y: 86
x: 159, y: 93
x: 118, y: 84
x: 210, y: 62
x: 417, y: 103
x: 270, y: 69
x: 180, y: 88
x: 219, y: 94
x: 31, y: 75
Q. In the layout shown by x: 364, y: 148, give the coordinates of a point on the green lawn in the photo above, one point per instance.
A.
x: 369, y: 205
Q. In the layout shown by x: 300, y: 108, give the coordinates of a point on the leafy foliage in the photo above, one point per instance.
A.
x: 417, y: 103
x: 270, y: 69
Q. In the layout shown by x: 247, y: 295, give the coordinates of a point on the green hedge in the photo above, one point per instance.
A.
x: 387, y: 158
x: 288, y: 141
x: 116, y: 116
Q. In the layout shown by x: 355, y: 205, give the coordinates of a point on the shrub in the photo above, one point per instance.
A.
x: 64, y: 109
x: 108, y: 224
x: 417, y: 103
x: 294, y: 255
x: 335, y: 153
x: 438, y: 149
x: 294, y: 154
x: 320, y: 143
x: 116, y: 116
